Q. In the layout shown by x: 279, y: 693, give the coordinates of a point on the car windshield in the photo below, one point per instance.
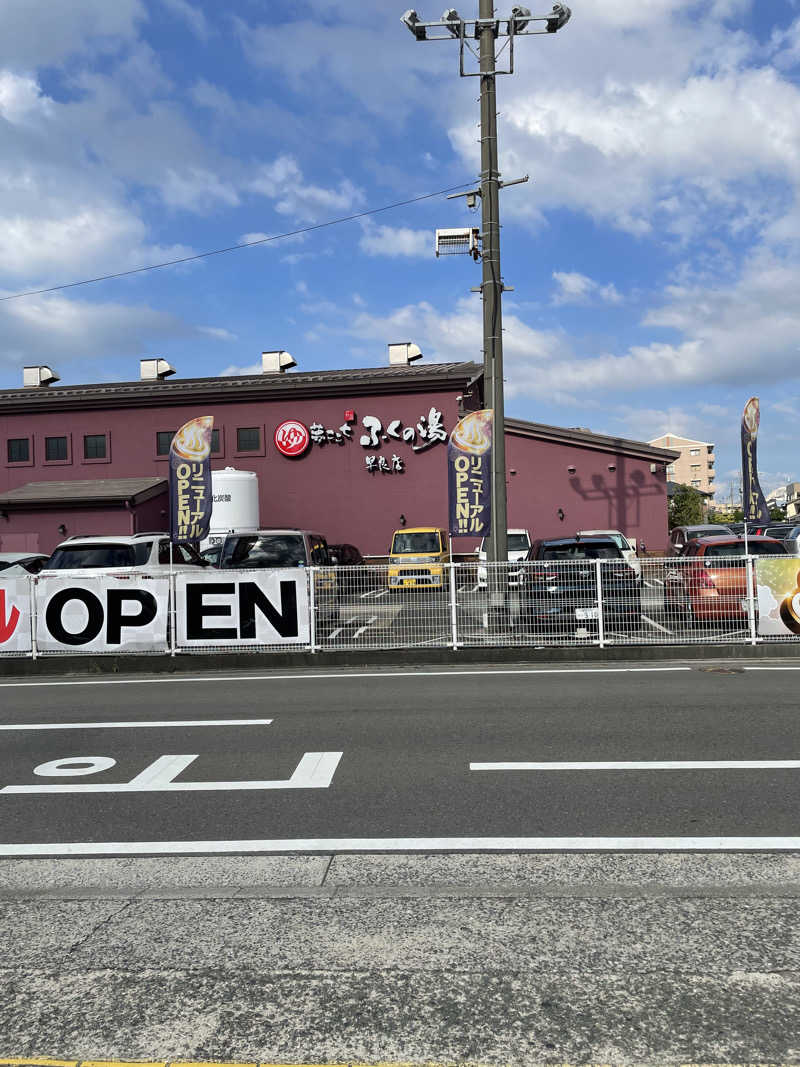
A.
x: 517, y: 543
x: 263, y: 550
x: 427, y: 541
x: 755, y: 548
x: 78, y: 557
x: 582, y: 550
x: 706, y: 531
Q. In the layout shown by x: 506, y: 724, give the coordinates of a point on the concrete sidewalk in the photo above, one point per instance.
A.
x: 513, y: 959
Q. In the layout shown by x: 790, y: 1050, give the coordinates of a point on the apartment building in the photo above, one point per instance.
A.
x: 694, y: 467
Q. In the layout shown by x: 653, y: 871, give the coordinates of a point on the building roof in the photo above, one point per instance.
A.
x: 99, y: 491
x: 672, y: 488
x: 355, y: 381
x: 577, y: 436
x: 680, y: 437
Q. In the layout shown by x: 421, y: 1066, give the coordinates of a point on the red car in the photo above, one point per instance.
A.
x: 709, y: 579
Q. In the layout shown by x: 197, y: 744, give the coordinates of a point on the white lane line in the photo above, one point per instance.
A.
x: 133, y: 725
x: 203, y: 679
x: 772, y: 668
x: 645, y: 765
x: 366, y: 626
x: 410, y: 844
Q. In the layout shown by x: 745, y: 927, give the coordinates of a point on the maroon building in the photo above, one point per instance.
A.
x: 92, y: 459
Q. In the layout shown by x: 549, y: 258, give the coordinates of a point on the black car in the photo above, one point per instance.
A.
x: 352, y: 574
x: 345, y: 556
x: 560, y: 587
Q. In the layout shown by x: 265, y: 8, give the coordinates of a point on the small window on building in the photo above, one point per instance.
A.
x: 94, y: 446
x: 248, y: 439
x: 696, y: 482
x: 695, y: 466
x: 163, y: 441
x: 55, y: 449
x: 215, y: 442
x: 671, y: 468
x: 694, y: 451
x: 19, y: 450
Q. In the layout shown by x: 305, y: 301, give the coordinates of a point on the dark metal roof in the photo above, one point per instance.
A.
x: 98, y: 491
x: 355, y: 381
x: 619, y: 446
x: 672, y: 488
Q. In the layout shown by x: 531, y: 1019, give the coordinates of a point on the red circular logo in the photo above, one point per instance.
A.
x: 292, y: 438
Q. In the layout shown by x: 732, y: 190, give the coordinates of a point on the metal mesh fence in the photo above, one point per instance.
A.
x: 558, y: 602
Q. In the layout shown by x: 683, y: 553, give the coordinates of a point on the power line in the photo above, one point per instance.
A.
x: 235, y: 248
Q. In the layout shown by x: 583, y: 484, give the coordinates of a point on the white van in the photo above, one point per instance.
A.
x: 519, y: 543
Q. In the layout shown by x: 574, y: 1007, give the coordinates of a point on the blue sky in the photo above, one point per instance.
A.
x: 654, y: 253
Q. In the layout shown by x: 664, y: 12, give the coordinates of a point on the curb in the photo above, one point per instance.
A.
x: 25, y: 667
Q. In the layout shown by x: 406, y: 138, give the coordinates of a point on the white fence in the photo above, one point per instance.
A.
x: 601, y: 602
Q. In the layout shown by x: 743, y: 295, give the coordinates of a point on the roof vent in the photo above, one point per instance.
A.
x: 276, y: 362
x: 151, y: 370
x: 403, y: 353
x: 36, y: 377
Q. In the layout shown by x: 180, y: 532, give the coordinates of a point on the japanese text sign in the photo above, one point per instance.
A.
x: 469, y: 475
x: 190, y: 501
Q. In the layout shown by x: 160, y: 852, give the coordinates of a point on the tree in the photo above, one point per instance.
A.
x: 686, y: 507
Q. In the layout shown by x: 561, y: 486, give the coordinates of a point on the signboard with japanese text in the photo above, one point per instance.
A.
x: 267, y: 607
x: 293, y: 439
x: 102, y: 614
x: 778, y: 584
x: 15, y: 615
x: 754, y: 505
x: 190, y: 497
x: 469, y: 475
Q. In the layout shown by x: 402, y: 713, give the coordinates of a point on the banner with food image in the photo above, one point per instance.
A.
x: 778, y: 584
x: 190, y: 498
x: 469, y: 475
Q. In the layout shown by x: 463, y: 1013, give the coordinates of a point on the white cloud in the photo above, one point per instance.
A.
x: 37, y: 33
x: 574, y: 288
x: 191, y: 15
x: 234, y: 370
x: 282, y: 181
x: 195, y: 189
x: 60, y: 329
x: 396, y: 242
x: 217, y: 332
x: 21, y: 99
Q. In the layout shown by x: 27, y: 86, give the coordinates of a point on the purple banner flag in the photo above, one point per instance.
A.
x: 190, y: 500
x: 469, y: 475
x: 754, y: 506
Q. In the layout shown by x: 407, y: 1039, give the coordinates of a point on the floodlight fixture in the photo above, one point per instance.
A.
x: 411, y: 20
x: 453, y: 21
x: 519, y: 19
x: 560, y: 17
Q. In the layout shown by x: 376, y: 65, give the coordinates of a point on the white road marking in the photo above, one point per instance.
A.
x: 657, y: 625
x: 366, y: 626
x: 644, y: 765
x: 409, y: 844
x: 314, y: 771
x: 133, y: 725
x: 204, y: 679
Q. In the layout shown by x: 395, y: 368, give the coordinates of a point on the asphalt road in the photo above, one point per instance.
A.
x: 447, y: 953
x: 398, y: 761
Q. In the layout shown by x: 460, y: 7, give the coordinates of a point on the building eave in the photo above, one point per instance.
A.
x: 618, y: 446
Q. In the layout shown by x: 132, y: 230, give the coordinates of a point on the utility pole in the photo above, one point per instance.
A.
x: 486, y: 30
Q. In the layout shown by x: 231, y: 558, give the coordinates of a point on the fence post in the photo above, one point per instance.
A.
x: 32, y: 583
x: 600, y: 620
x: 453, y: 613
x: 312, y: 602
x: 173, y: 613
x: 751, y: 607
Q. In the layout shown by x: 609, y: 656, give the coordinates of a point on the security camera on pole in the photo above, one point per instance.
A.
x: 485, y: 30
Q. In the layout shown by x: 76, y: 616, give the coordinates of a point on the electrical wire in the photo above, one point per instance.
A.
x: 236, y: 248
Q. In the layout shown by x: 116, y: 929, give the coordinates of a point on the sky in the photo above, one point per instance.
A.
x: 654, y: 252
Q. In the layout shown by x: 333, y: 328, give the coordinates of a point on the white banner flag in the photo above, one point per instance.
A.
x: 229, y: 608
x: 15, y: 615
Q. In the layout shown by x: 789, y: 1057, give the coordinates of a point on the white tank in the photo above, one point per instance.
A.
x: 235, y: 495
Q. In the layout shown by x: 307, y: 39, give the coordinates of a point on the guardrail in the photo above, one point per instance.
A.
x: 732, y: 600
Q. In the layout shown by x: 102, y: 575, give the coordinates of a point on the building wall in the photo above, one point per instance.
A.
x: 38, y: 530
x: 329, y: 490
x: 696, y: 469
x: 630, y: 498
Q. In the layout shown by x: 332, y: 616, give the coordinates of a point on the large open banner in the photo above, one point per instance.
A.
x: 229, y: 609
x: 15, y: 616
x: 778, y: 584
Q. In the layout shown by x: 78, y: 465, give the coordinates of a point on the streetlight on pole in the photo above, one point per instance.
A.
x: 486, y: 30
